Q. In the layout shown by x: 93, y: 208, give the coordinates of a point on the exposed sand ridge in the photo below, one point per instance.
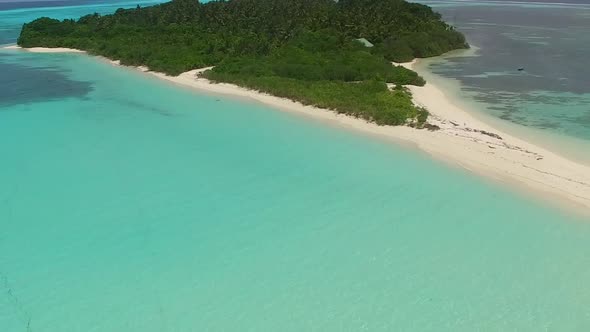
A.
x: 461, y: 139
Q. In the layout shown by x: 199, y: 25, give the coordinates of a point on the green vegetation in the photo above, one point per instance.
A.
x: 368, y: 100
x: 305, y: 50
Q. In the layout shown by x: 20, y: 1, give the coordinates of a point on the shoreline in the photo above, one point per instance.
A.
x: 462, y: 140
x: 568, y: 147
x: 44, y: 49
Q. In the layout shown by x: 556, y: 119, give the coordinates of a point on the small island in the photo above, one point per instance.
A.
x: 331, y: 54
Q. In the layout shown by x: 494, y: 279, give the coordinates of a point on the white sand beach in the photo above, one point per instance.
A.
x: 46, y: 50
x: 462, y: 140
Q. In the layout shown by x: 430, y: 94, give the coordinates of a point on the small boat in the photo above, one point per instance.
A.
x: 520, y: 69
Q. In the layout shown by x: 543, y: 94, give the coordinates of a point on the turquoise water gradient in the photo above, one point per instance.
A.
x: 136, y: 205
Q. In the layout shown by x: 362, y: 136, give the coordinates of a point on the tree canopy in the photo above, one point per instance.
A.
x: 293, y: 43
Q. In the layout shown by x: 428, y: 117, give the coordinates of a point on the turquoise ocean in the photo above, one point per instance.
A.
x: 131, y: 204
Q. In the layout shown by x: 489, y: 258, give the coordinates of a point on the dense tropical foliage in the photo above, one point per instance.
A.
x: 306, y: 50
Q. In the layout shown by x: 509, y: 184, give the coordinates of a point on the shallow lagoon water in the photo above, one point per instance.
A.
x: 140, y: 206
x: 547, y: 101
x: 130, y: 204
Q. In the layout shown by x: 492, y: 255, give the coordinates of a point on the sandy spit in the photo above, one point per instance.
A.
x: 462, y: 140
x: 45, y: 50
